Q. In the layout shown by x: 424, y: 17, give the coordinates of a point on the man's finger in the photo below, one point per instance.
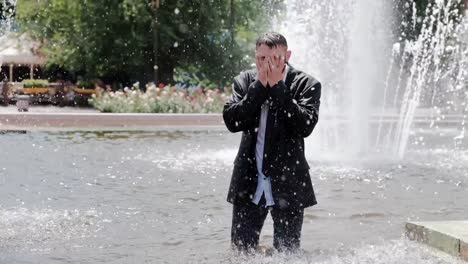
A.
x: 272, y: 64
x: 278, y: 62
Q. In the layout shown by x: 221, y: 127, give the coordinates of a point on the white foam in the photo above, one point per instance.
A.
x: 20, y: 227
x: 191, y: 159
x: 387, y: 252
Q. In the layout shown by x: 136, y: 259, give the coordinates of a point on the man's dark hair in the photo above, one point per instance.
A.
x: 272, y: 40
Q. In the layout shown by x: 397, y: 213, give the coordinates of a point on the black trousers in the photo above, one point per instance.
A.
x: 247, y: 223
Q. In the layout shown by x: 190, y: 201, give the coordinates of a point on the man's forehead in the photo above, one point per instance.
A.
x: 265, y: 50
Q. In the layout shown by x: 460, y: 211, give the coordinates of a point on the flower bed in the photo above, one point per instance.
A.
x: 169, y: 99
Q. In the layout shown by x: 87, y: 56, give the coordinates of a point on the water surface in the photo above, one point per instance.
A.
x: 159, y: 197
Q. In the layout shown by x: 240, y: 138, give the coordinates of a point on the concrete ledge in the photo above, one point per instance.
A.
x: 118, y: 121
x: 464, y: 250
x: 17, y: 121
x: 448, y: 236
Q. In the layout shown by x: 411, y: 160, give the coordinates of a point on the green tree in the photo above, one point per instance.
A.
x: 127, y: 40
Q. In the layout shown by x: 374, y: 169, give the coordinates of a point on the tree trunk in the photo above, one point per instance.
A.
x: 156, y: 65
x: 232, y: 22
x: 166, y: 72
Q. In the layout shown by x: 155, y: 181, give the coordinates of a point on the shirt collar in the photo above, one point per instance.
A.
x: 286, y: 68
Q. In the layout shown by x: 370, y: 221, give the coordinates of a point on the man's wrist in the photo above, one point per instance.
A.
x: 280, y: 92
x: 263, y: 81
x: 273, y: 83
x: 257, y: 91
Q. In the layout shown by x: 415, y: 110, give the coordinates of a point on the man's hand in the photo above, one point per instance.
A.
x: 262, y: 71
x: 275, y: 69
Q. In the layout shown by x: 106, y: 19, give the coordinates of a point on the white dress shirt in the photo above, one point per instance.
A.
x: 264, y: 182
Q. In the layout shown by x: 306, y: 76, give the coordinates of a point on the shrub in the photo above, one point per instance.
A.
x: 83, y: 84
x: 35, y: 83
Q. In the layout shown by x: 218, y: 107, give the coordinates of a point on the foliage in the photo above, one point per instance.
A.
x: 191, y: 78
x: 85, y: 84
x: 7, y: 10
x: 169, y: 99
x: 35, y: 83
x: 115, y: 40
x: 90, y: 37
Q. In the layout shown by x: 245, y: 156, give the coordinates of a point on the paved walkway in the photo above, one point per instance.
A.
x: 49, y: 109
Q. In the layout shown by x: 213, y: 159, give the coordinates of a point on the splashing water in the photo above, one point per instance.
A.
x: 437, y: 68
x: 373, y: 76
x: 7, y: 14
x: 155, y: 197
x: 22, y: 227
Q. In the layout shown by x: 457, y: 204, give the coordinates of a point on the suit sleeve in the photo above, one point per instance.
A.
x: 242, y: 109
x: 301, y: 113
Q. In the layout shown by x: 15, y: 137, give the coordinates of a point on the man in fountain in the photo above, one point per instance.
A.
x: 275, y: 106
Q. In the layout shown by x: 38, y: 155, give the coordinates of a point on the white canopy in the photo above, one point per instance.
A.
x: 19, y: 49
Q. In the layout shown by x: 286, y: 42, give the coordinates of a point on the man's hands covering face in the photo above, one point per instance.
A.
x: 275, y: 69
x: 270, y: 69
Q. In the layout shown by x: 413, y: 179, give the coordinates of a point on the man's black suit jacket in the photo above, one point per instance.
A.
x: 292, y: 116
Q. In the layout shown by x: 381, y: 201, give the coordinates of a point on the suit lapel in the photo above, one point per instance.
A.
x: 289, y: 76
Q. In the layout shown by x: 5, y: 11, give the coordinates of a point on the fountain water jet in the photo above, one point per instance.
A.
x: 373, y: 76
